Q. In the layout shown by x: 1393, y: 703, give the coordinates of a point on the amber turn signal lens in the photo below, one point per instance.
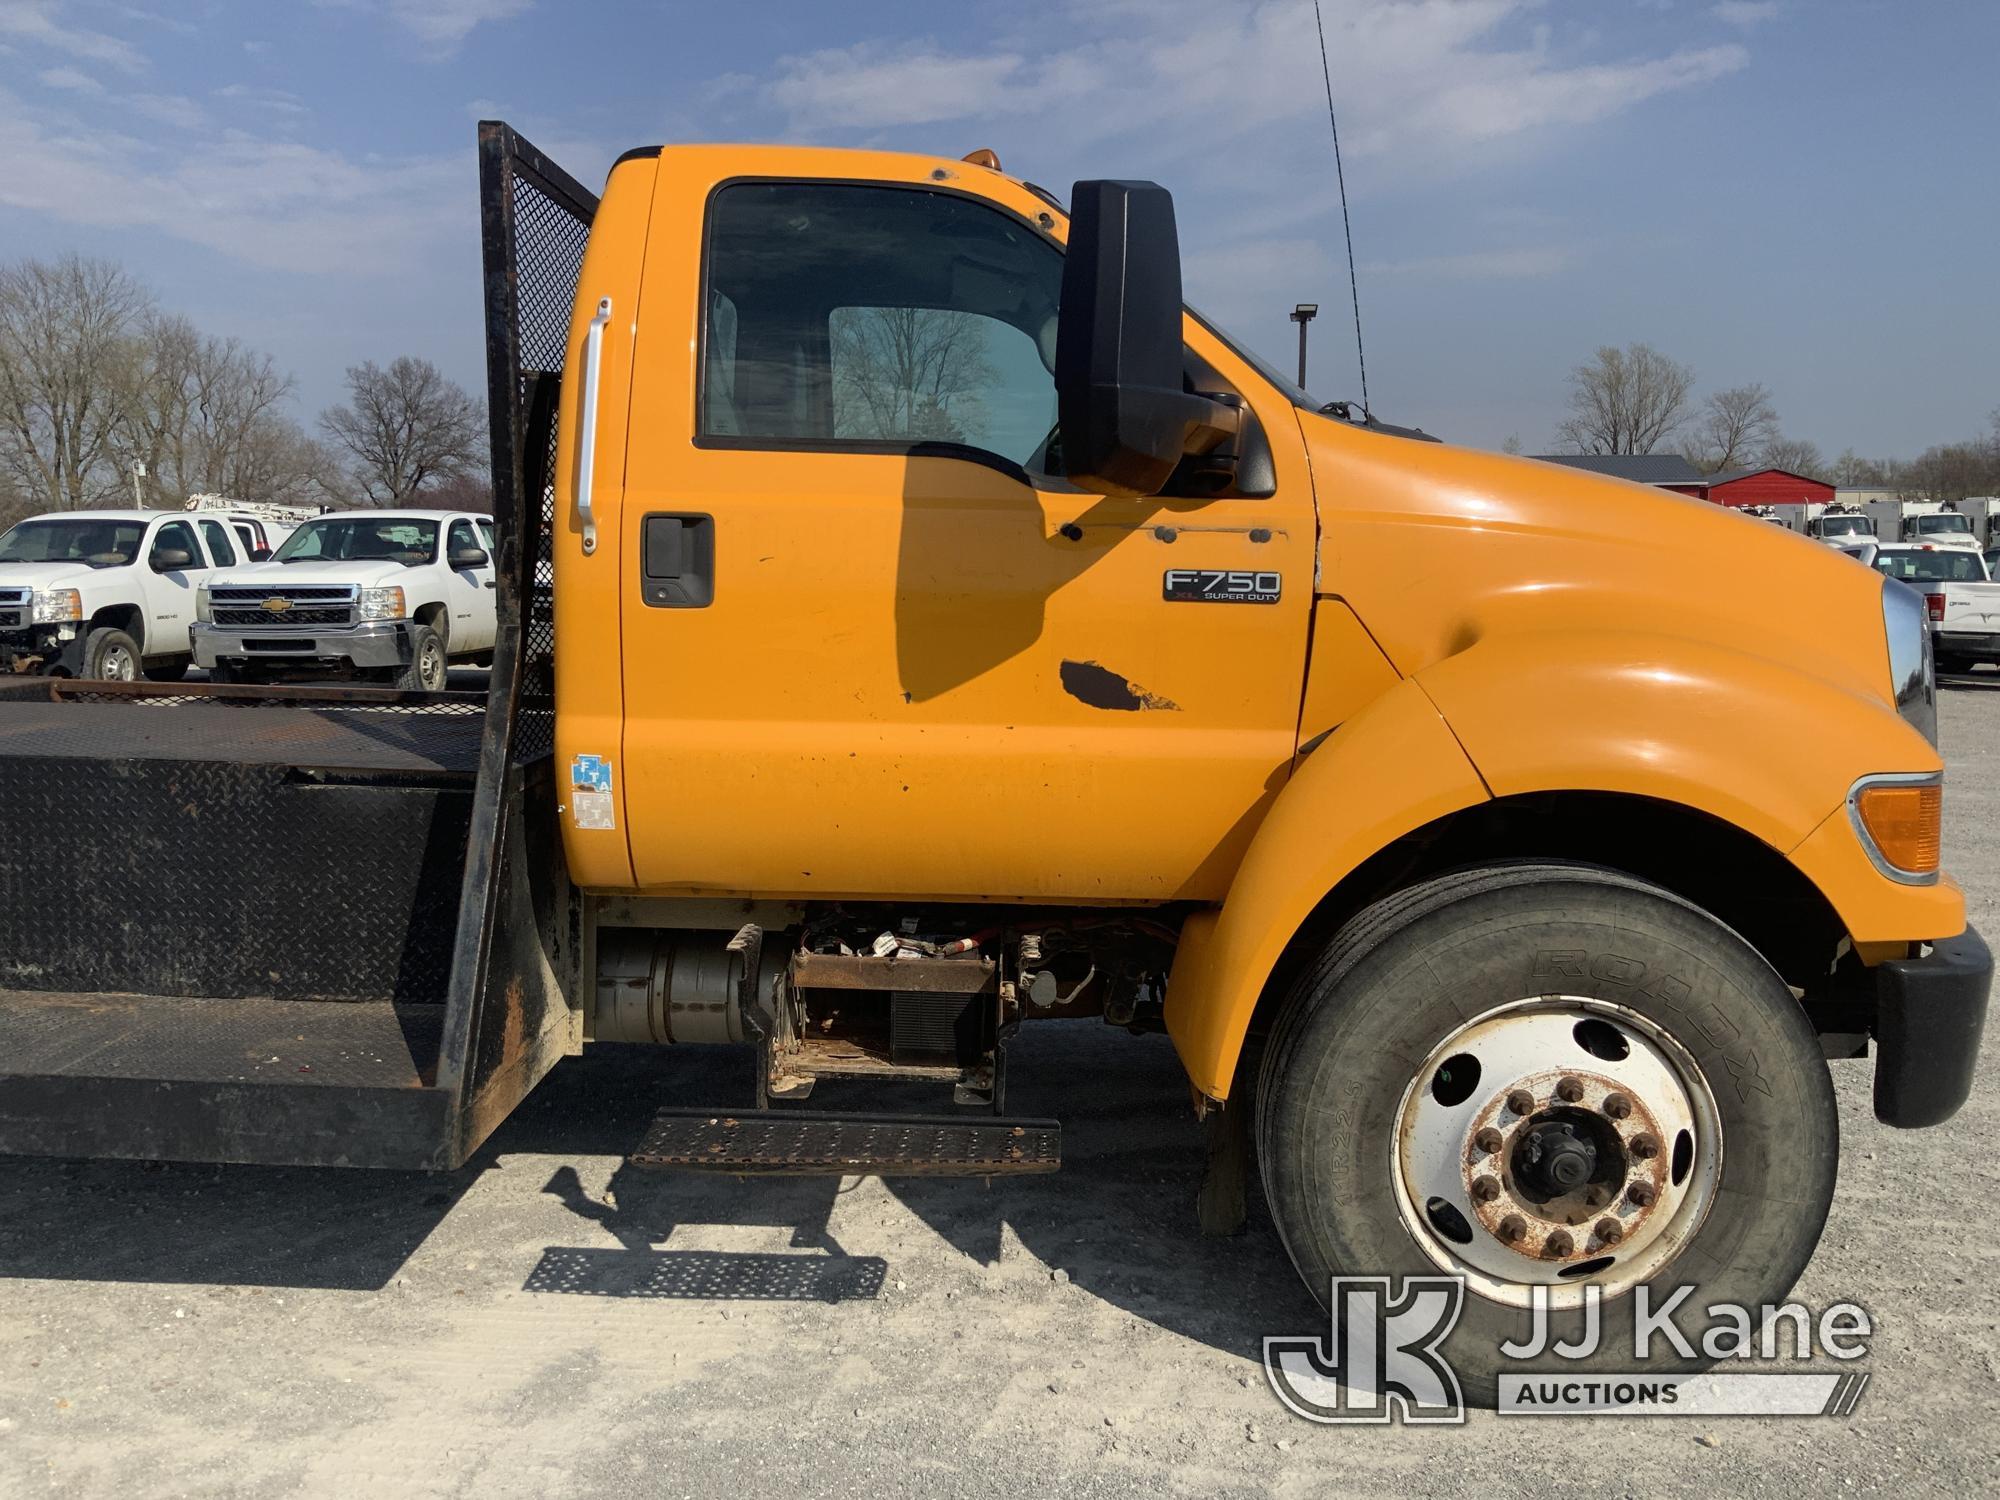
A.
x: 1904, y: 822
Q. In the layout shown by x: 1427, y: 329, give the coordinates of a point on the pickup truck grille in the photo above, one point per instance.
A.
x: 14, y: 608
x: 264, y: 618
x: 274, y: 607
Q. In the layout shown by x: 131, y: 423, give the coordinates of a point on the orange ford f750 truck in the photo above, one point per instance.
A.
x: 915, y: 622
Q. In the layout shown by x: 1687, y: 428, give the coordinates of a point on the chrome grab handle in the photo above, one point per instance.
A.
x: 586, y: 455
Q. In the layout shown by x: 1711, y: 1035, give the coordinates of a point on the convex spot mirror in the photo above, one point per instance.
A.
x: 1125, y: 417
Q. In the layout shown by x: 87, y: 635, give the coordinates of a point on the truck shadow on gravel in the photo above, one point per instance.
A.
x: 1117, y: 1221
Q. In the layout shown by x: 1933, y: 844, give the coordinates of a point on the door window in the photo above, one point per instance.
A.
x: 219, y: 551
x: 460, y: 539
x: 178, y: 536
x: 877, y: 318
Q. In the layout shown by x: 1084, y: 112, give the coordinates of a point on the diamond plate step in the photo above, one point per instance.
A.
x: 807, y: 1143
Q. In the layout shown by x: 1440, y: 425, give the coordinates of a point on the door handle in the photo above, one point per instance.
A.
x: 677, y: 561
x: 586, y: 457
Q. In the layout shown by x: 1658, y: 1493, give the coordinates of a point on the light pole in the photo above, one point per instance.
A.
x: 1303, y: 314
x: 138, y: 473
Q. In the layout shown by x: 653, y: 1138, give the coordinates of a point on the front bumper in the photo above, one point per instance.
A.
x: 1929, y: 1013
x: 377, y: 643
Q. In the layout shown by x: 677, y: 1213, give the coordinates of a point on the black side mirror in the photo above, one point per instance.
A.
x: 1124, y: 415
x: 169, y: 559
x: 469, y: 557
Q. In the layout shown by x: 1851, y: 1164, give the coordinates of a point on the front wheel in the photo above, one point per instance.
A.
x: 1541, y: 1078
x: 110, y: 656
x: 428, y: 663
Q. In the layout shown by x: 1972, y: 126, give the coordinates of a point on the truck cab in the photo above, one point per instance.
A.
x: 1941, y: 528
x: 385, y: 595
x: 1841, y: 527
x: 106, y: 594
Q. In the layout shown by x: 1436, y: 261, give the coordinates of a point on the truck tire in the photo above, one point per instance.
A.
x: 1674, y: 1087
x: 110, y: 656
x: 428, y: 662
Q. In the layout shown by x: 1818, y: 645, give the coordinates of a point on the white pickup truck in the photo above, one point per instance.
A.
x: 382, y: 595
x: 106, y: 593
x: 1959, y: 596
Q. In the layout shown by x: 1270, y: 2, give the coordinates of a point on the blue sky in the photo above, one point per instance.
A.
x: 1794, y: 191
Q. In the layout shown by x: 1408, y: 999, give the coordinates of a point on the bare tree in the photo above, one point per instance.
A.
x: 1794, y: 455
x: 1733, y: 425
x: 405, y: 429
x: 1626, y: 400
x: 205, y: 413
x: 1852, y: 469
x: 907, y: 372
x: 67, y: 349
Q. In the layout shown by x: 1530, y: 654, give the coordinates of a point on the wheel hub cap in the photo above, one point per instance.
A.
x: 1559, y: 1141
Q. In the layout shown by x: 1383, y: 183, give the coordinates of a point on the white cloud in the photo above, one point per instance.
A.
x: 446, y: 23
x: 276, y: 204
x: 170, y: 109
x: 75, y: 80
x: 439, y: 24
x: 40, y: 23
x: 1745, y: 13
x: 277, y: 101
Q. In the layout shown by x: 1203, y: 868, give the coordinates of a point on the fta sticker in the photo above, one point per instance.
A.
x: 590, y: 792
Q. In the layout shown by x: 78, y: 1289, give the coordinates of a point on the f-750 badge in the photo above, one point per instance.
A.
x: 1216, y: 586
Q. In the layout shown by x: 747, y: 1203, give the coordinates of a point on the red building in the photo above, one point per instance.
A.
x: 1767, y: 487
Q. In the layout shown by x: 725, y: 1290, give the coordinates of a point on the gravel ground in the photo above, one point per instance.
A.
x: 548, y: 1322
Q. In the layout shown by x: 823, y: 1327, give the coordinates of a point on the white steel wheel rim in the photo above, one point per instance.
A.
x: 1623, y: 1224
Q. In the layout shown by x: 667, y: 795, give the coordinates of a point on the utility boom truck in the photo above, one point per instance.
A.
x: 859, y: 716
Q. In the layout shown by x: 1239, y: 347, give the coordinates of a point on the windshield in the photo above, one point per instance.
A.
x: 400, y: 539
x: 1846, y: 526
x: 1946, y: 522
x: 98, y: 544
x: 1932, y: 567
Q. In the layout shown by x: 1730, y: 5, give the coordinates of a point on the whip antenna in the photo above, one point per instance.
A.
x: 1340, y: 174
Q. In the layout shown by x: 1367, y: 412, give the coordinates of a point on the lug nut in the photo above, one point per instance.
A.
x: 1512, y: 1228
x: 1558, y: 1243
x: 1610, y: 1231
x: 1485, y: 1189
x: 1641, y: 1194
x: 1569, y: 1090
x: 1644, y: 1146
x: 1489, y: 1141
x: 1617, y: 1106
x: 1521, y: 1102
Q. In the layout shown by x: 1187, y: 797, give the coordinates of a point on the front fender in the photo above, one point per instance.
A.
x: 1763, y: 747
x: 1385, y: 773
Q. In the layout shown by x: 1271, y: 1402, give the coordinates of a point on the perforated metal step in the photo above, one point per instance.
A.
x: 806, y: 1143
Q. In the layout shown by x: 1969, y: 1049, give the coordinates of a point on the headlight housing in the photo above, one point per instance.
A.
x: 1912, y: 674
x: 387, y: 604
x: 202, y: 610
x: 57, y: 606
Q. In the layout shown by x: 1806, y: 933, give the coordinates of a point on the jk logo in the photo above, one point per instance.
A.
x: 1379, y: 1361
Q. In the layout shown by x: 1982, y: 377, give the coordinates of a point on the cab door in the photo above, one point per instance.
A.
x: 873, y: 644
x: 169, y: 587
x: 469, y: 591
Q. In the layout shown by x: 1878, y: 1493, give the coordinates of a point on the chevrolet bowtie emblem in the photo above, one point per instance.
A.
x: 277, y: 606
